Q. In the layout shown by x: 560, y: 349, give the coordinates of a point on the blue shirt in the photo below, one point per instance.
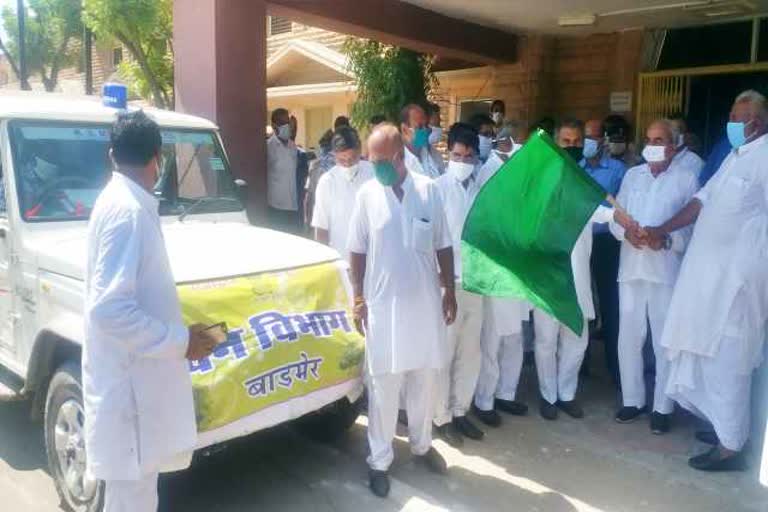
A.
x: 716, y: 157
x: 608, y: 173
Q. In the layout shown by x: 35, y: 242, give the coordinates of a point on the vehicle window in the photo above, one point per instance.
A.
x: 60, y: 169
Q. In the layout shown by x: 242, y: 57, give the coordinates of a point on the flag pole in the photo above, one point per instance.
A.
x: 619, y: 210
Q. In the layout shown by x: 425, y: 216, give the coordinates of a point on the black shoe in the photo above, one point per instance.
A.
x: 450, y: 434
x: 467, y: 428
x: 434, y: 461
x: 378, y: 482
x: 402, y: 417
x: 490, y: 418
x: 572, y: 408
x: 511, y: 407
x: 707, y: 437
x: 660, y: 423
x: 547, y: 410
x: 629, y: 414
x: 711, y: 461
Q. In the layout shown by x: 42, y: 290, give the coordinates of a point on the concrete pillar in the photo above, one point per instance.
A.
x: 220, y: 73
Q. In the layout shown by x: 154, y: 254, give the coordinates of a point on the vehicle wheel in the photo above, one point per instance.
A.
x: 65, y: 442
x: 329, y: 423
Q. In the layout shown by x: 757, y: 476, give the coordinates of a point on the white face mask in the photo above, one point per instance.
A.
x: 435, y: 135
x: 284, y: 131
x: 351, y: 171
x: 460, y: 170
x: 655, y: 154
x: 591, y: 148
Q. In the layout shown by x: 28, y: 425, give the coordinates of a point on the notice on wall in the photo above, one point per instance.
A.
x: 621, y: 101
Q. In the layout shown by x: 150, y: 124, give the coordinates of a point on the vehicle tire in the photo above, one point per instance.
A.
x: 330, y: 422
x: 65, y: 442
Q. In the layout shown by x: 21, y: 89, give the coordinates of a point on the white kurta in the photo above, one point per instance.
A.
x: 690, y: 160
x: 428, y: 163
x: 282, y: 161
x: 137, y: 390
x: 722, y: 294
x: 459, y: 378
x: 647, y: 277
x: 406, y: 329
x: 335, y: 200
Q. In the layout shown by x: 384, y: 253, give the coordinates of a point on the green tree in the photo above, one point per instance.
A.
x: 387, y: 77
x: 145, y: 29
x: 52, y: 29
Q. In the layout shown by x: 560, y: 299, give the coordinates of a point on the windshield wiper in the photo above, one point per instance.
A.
x: 206, y: 200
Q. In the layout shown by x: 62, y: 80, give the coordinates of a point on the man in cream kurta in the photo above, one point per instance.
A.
x: 458, y: 189
x: 716, y: 325
x: 398, y: 235
x: 650, y: 193
x: 140, y: 417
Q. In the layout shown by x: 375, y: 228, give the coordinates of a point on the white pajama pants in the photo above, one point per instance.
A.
x: 502, y: 361
x: 131, y: 495
x: 458, y: 380
x: 383, y: 400
x: 559, y: 353
x: 643, y: 304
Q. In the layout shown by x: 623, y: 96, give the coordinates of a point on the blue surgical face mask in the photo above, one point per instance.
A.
x: 591, y: 147
x: 385, y: 172
x: 736, y: 135
x: 420, y: 138
x: 486, y: 143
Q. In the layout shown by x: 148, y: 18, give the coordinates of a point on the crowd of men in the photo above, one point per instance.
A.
x: 681, y: 244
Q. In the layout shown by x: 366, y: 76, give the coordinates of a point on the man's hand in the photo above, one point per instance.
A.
x: 201, y: 342
x: 449, y: 305
x: 636, y: 236
x: 360, y: 316
x: 656, y: 238
x: 625, y: 220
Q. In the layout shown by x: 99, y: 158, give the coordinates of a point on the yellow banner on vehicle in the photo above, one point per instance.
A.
x: 290, y: 333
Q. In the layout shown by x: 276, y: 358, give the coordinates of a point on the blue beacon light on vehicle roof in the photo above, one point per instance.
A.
x: 114, y: 95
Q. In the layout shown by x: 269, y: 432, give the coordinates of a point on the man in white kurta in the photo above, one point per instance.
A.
x: 716, y: 325
x: 501, y: 341
x: 398, y: 235
x: 420, y: 156
x: 559, y: 351
x: 337, y: 189
x: 651, y: 193
x: 458, y: 189
x: 140, y: 417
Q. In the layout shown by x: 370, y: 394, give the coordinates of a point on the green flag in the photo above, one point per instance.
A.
x: 520, y: 232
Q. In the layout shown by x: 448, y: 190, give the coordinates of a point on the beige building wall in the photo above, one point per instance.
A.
x: 306, y: 109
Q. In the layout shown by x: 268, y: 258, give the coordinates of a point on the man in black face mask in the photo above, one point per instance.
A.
x: 570, y: 137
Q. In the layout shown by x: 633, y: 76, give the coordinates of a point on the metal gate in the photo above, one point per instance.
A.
x: 665, y: 93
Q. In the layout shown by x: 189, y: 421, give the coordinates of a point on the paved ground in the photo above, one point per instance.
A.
x: 527, y: 465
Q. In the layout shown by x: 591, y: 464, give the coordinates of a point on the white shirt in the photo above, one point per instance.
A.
x: 335, y: 200
x: 457, y: 201
x: 722, y: 289
x: 687, y: 158
x: 282, y: 162
x: 427, y: 164
x: 651, y: 202
x: 580, y: 256
x: 137, y: 389
x: 406, y: 330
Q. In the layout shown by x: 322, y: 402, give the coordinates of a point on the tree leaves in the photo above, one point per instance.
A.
x: 388, y: 78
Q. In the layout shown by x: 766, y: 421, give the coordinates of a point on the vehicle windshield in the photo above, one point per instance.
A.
x: 62, y: 167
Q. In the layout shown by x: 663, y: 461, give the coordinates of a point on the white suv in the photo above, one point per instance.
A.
x: 279, y: 365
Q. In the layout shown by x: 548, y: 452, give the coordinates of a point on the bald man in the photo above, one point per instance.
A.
x: 398, y: 236
x: 651, y: 193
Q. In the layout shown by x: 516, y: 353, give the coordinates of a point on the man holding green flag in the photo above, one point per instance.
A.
x: 518, y: 242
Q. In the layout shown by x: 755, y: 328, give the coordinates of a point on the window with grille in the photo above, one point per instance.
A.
x: 278, y: 25
x: 117, y: 56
